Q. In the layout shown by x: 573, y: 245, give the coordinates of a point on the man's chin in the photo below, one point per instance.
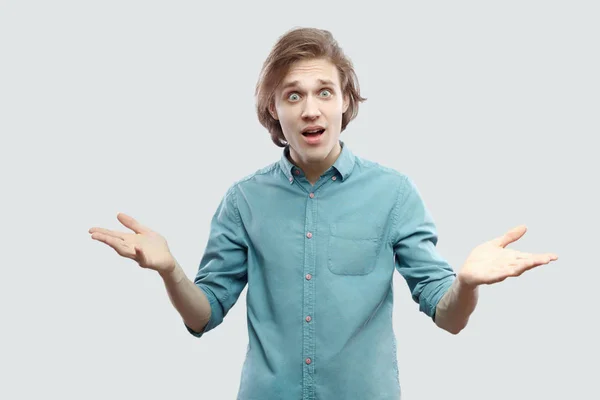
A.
x: 314, y: 154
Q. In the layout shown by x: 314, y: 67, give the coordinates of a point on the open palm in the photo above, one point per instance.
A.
x: 492, y: 262
x: 148, y: 248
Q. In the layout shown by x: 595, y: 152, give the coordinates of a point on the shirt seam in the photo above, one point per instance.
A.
x: 238, y: 218
x: 395, y: 211
x: 262, y: 171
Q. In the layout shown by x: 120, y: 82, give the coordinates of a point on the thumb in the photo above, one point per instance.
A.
x: 511, y: 236
x: 139, y: 255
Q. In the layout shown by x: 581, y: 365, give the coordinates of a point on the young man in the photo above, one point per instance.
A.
x: 317, y: 237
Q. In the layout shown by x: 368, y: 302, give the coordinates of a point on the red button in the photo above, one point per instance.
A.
x: 308, y: 361
x: 308, y: 319
x: 312, y: 195
x: 309, y: 235
x: 297, y: 172
x: 308, y: 277
x: 333, y: 178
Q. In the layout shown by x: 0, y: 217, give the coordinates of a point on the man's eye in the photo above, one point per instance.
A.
x: 327, y: 92
x: 293, y: 97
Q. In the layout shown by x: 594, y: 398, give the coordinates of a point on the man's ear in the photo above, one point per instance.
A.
x: 346, y: 103
x: 273, y: 111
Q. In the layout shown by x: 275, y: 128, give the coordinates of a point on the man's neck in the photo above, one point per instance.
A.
x: 313, y: 171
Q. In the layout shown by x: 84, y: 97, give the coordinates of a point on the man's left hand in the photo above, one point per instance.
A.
x: 492, y: 262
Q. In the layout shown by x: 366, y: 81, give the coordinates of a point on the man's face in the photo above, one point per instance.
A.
x: 310, y: 98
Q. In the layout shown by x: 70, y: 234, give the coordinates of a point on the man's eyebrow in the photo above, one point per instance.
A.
x: 287, y: 85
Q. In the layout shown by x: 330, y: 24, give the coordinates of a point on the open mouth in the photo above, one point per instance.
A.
x: 313, y: 133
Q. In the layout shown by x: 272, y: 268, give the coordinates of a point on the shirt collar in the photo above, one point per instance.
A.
x: 343, y: 165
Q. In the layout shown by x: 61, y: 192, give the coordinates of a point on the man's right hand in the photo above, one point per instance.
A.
x: 146, y: 247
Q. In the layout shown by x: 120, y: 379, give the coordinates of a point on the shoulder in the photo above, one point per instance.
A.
x: 386, y: 174
x: 246, y: 184
x: 257, y: 177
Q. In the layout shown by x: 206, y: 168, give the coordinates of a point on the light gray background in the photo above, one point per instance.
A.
x: 147, y: 107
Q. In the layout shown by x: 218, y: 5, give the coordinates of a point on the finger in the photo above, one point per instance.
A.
x: 525, y: 264
x: 115, y: 234
x: 511, y: 236
x: 516, y: 254
x: 550, y: 256
x: 117, y: 244
x: 131, y: 223
x: 520, y: 255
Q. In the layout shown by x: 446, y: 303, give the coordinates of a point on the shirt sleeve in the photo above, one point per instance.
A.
x: 414, y: 239
x: 222, y: 273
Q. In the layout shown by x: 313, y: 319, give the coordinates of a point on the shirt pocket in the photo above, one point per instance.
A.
x: 353, y: 248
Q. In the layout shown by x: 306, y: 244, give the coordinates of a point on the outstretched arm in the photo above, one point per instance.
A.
x: 151, y: 251
x: 489, y: 263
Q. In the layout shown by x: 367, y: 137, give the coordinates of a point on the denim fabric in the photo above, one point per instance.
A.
x: 319, y: 262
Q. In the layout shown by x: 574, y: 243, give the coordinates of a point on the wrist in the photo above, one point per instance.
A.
x: 172, y: 274
x: 465, y: 283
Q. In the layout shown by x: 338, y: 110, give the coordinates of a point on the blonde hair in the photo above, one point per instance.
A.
x: 302, y: 44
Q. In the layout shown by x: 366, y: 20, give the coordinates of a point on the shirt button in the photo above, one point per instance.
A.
x: 309, y: 235
x: 333, y: 178
x: 308, y: 360
x: 291, y: 180
x: 308, y: 277
x: 297, y: 172
x: 308, y: 318
x: 312, y: 195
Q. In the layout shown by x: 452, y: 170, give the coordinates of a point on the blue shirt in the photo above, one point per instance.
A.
x: 319, y: 262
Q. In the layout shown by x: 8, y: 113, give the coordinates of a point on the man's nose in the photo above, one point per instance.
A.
x: 311, y: 108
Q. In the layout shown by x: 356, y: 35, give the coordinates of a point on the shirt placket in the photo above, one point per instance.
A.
x: 309, y: 296
x: 312, y: 237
